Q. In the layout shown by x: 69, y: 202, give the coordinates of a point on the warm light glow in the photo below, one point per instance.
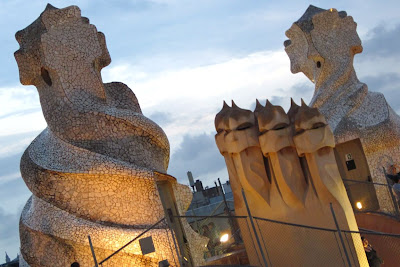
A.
x: 224, y: 238
x: 331, y: 9
x: 359, y: 205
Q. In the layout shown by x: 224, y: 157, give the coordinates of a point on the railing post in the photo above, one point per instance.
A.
x: 228, y: 212
x: 179, y: 255
x: 340, y: 235
x: 93, y: 254
x: 254, y: 229
x: 396, y: 206
x: 127, y: 244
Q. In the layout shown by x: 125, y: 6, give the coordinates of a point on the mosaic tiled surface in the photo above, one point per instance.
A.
x: 92, y: 170
x: 197, y: 243
x: 285, y: 164
x: 322, y: 45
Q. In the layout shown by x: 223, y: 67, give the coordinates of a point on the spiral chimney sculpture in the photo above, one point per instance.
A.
x: 95, y: 169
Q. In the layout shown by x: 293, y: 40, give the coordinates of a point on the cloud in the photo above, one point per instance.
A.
x: 14, y: 195
x: 13, y: 190
x: 10, y: 157
x: 161, y: 118
x: 18, y: 98
x: 6, y: 178
x: 198, y: 154
x: 250, y: 72
x: 383, y: 42
x: 388, y: 84
x: 20, y: 111
x: 302, y: 90
x: 185, y: 101
x: 9, y: 166
x: 11, y: 150
x: 22, y: 123
x: 14, y: 144
x: 8, y: 222
x: 182, y: 59
x: 9, y: 240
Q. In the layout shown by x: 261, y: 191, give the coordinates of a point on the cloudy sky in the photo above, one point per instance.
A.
x: 182, y: 59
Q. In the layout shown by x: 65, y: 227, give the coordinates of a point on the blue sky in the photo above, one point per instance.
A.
x: 182, y: 59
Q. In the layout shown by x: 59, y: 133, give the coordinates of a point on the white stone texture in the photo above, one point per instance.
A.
x: 92, y: 171
x: 322, y: 45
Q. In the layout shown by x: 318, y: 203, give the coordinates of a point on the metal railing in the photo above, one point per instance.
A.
x: 289, y: 244
x: 372, y: 197
x: 387, y: 246
x: 392, y: 195
x: 161, y: 224
x: 254, y: 239
x: 225, y: 233
x: 314, y: 241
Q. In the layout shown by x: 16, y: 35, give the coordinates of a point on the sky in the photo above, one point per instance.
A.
x: 182, y: 58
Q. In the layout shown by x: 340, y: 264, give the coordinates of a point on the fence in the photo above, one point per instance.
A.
x: 282, y: 243
x: 386, y: 245
x: 290, y: 244
x: 363, y: 197
x: 163, y: 242
x: 244, y: 240
x: 316, y: 241
x: 226, y: 235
